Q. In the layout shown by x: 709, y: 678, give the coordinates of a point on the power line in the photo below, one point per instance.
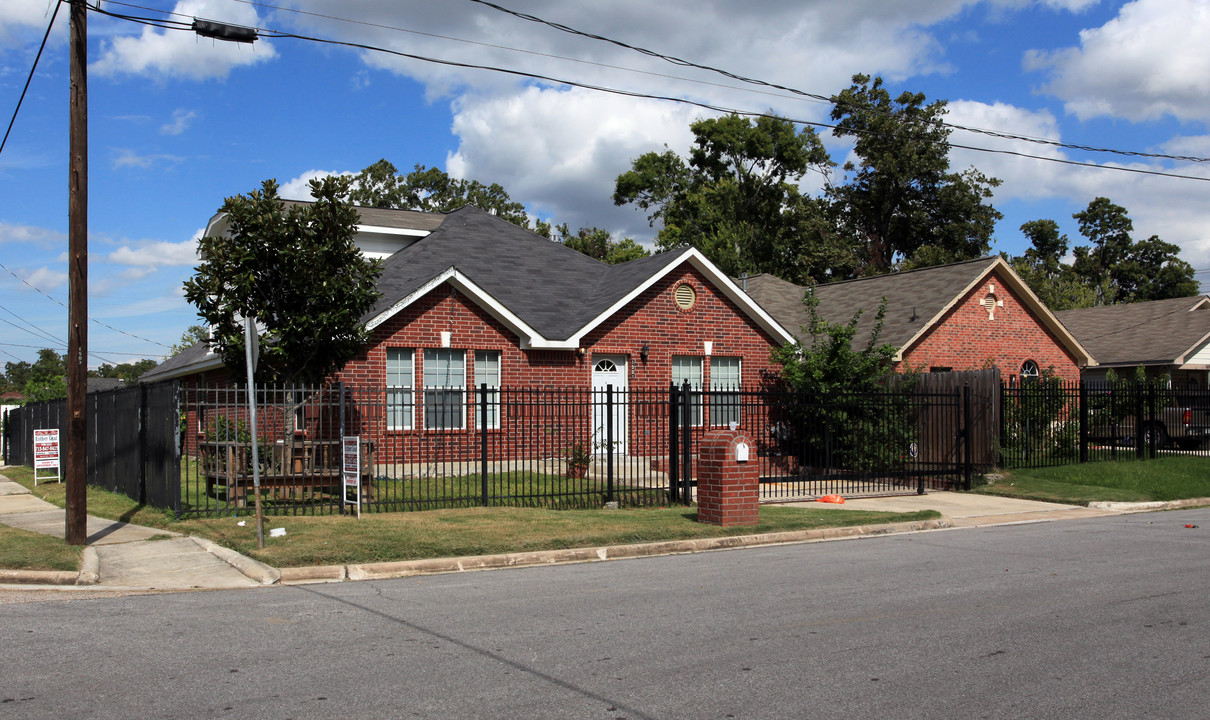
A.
x: 30, y: 78
x: 64, y: 348
x: 267, y: 32
x: 59, y: 302
x: 687, y: 63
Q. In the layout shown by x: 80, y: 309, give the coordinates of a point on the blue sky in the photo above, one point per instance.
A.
x: 178, y: 122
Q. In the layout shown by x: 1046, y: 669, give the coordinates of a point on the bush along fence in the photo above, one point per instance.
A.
x: 563, y: 448
x: 1046, y: 422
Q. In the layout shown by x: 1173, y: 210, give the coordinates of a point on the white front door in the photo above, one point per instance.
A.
x: 609, y: 370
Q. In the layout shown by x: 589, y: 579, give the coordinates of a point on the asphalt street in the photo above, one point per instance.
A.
x: 1092, y: 618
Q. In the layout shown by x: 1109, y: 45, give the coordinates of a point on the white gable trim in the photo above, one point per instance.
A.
x: 530, y: 339
x: 465, y: 285
x: 719, y: 279
x: 1028, y: 298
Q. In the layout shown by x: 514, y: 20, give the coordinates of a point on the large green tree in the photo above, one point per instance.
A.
x: 295, y: 270
x: 128, y: 372
x: 1121, y: 269
x: 1041, y: 266
x: 901, y: 202
x: 600, y: 245
x: 431, y: 190
x: 1111, y: 268
x: 737, y: 198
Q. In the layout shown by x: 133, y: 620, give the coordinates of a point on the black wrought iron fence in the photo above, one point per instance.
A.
x: 889, y: 442
x: 1048, y: 423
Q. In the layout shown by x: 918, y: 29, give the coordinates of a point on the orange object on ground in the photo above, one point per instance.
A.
x: 832, y: 499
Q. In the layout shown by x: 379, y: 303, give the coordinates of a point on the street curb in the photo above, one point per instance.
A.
x: 252, y: 569
x: 1143, y: 506
x: 408, y: 568
x: 90, y: 567
x: 38, y: 577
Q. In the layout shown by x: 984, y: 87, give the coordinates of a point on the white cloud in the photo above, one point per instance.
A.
x: 174, y: 54
x: 559, y: 151
x: 156, y: 254
x: 19, y: 16
x: 1147, y: 63
x: 181, y: 120
x: 46, y: 280
x: 10, y: 233
x: 299, y: 189
x: 126, y: 157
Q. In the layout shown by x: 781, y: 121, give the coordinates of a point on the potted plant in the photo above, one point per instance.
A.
x: 577, y: 458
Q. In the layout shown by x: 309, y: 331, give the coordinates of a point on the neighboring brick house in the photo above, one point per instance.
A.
x: 1164, y: 337
x: 961, y: 316
x: 472, y: 299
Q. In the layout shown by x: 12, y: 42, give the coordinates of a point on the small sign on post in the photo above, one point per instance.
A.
x: 46, y: 455
x: 351, y: 470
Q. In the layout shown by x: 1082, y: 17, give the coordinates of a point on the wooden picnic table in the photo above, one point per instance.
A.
x: 296, y: 465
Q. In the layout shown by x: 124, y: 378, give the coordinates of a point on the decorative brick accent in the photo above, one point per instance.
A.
x: 727, y: 490
x: 990, y: 325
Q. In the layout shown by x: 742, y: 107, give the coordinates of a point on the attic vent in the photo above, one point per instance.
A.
x: 685, y: 296
x: 990, y: 303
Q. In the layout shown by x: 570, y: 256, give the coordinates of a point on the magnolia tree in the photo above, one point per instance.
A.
x: 295, y: 269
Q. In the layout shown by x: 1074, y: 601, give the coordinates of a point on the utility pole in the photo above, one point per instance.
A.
x: 76, y: 530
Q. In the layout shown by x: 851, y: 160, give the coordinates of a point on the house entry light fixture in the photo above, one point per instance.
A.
x: 644, y: 352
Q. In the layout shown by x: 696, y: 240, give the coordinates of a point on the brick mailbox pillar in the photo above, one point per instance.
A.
x: 727, y: 483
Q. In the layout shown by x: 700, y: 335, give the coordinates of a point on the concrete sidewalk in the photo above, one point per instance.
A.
x: 120, y: 555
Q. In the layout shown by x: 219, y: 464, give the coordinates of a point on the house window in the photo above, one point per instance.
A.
x: 1029, y: 371
x: 688, y: 368
x: 724, y: 391
x: 487, y: 372
x: 444, y: 389
x: 400, y: 385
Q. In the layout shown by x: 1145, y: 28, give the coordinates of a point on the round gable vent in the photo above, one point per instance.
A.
x: 685, y: 296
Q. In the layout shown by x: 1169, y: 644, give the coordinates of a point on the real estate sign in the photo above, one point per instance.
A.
x: 46, y: 453
x: 351, y: 470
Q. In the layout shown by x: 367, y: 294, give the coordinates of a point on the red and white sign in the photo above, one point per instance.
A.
x: 350, y: 470
x: 46, y: 449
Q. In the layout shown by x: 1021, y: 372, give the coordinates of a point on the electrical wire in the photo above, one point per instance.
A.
x: 266, y: 32
x: 60, y: 302
x: 30, y: 77
x: 686, y: 63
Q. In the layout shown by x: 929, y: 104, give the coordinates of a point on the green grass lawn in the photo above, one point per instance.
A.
x: 312, y: 540
x: 1172, y: 477
x: 25, y: 550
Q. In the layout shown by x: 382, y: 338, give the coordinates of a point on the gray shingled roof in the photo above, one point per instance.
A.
x: 914, y: 298
x: 552, y: 288
x: 198, y: 354
x: 1160, y: 332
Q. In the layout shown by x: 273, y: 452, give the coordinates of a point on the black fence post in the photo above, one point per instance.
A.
x: 609, y: 443
x: 674, y: 450
x: 686, y: 444
x: 1083, y: 410
x: 966, y: 436
x: 483, y: 441
x: 1139, y: 422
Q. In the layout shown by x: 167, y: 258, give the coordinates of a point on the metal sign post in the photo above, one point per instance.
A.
x: 251, y: 351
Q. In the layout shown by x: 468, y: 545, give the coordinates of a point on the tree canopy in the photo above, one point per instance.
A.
x: 737, y: 198
x: 901, y: 200
x: 1112, y: 268
x: 431, y: 190
x: 44, y: 379
x: 295, y: 270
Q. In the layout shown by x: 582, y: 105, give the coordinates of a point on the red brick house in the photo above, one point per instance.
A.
x: 469, y: 299
x: 961, y: 316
